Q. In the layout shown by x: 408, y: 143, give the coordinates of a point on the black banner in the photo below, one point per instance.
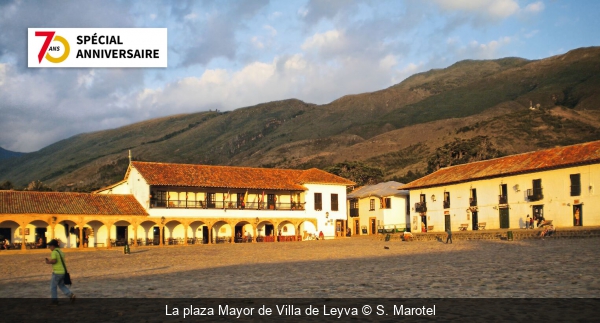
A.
x: 300, y: 310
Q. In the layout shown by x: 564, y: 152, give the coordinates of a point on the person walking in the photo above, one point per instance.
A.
x: 449, y: 238
x: 527, y: 222
x: 57, y: 260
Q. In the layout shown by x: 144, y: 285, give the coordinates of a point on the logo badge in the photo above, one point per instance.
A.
x: 46, y: 48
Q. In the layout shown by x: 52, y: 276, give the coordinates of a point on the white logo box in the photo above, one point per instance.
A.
x: 98, y: 47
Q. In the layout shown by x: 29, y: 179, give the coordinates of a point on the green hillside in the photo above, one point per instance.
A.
x: 398, y: 129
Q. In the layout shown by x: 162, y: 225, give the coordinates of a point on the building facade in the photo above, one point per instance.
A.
x: 373, y: 208
x: 221, y: 204
x: 557, y: 184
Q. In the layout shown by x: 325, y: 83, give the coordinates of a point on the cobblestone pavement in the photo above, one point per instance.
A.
x: 352, y: 267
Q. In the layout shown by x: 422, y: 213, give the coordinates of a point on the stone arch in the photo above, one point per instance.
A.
x: 241, y: 229
x: 196, y: 231
x: 174, y: 229
x: 222, y: 231
x: 147, y: 232
x: 122, y: 232
x: 265, y: 230
x: 286, y: 228
x: 307, y: 227
x: 39, y: 228
x: 10, y: 230
x: 63, y: 232
x: 99, y: 233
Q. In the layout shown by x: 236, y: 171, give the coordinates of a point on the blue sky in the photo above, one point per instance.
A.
x: 231, y: 54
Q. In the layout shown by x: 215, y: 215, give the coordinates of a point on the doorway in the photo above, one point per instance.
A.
x: 504, y: 221
x: 423, y: 223
x: 41, y: 233
x: 356, y: 226
x: 122, y: 234
x: 372, y: 226
x: 205, y: 234
x: 340, y: 229
x: 447, y: 225
x: 577, y: 215
x: 5, y: 233
x: 475, y: 221
x: 156, y: 233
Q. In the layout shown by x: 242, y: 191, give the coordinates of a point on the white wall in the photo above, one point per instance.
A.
x: 557, y: 202
x: 396, y: 215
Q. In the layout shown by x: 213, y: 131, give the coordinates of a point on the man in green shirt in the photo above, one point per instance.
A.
x: 57, y: 258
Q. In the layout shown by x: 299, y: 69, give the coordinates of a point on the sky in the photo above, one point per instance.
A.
x: 231, y: 54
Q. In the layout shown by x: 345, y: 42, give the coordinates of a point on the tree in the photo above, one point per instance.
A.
x: 357, y: 172
x: 38, y: 186
x: 7, y: 185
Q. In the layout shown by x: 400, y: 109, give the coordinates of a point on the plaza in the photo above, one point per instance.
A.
x: 352, y: 267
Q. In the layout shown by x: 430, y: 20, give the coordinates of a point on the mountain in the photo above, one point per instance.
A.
x: 485, y: 105
x: 5, y: 154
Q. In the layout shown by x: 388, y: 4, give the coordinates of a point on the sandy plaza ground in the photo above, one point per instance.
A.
x: 351, y: 267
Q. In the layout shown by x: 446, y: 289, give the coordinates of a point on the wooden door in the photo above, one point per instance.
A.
x: 504, y: 220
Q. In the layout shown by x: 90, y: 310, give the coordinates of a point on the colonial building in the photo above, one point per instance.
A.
x: 25, y: 217
x: 556, y: 184
x: 220, y: 203
x: 379, y: 207
x: 161, y: 203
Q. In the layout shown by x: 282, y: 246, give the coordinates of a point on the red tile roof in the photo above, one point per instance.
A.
x: 233, y: 177
x: 569, y: 156
x: 23, y: 202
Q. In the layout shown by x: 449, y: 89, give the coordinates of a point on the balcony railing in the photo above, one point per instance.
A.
x: 502, y: 199
x: 421, y: 207
x: 353, y: 212
x: 535, y: 194
x: 472, y: 202
x: 187, y: 204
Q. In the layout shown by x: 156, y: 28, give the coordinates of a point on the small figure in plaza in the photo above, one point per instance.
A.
x: 527, y: 222
x: 577, y: 216
x: 531, y: 223
x: 59, y: 270
x: 321, y: 235
x: 449, y: 237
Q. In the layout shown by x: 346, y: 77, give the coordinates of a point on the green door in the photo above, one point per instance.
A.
x: 504, y: 224
x: 447, y: 222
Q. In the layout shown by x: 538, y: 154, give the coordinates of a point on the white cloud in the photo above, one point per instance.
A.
x: 488, y: 50
x: 319, y: 41
x: 271, y: 30
x: 498, y: 9
x: 2, y: 73
x: 257, y: 43
x: 531, y: 33
x: 388, y: 62
x: 190, y: 16
x: 534, y: 7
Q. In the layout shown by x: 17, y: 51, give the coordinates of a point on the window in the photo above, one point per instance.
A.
x: 473, y: 198
x: 535, y: 194
x: 446, y: 200
x: 240, y: 200
x: 385, y: 203
x: 354, y: 207
x: 211, y: 200
x: 334, y: 202
x: 575, y: 184
x: 160, y: 199
x: 372, y: 205
x: 318, y: 201
x: 271, y: 199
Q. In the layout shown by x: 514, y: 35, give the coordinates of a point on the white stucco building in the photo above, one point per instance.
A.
x: 220, y: 203
x: 558, y: 184
x: 378, y: 207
